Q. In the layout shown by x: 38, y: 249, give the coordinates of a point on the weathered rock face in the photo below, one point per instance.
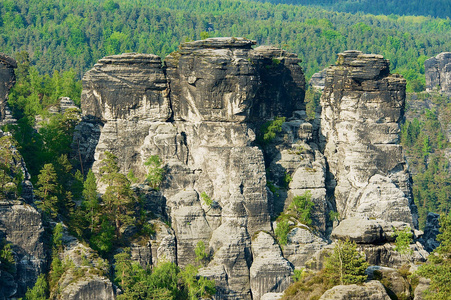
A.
x: 372, y: 290
x: 7, y: 81
x: 224, y: 79
x: 318, y: 80
x: 431, y: 230
x: 128, y: 86
x: 197, y: 113
x: 362, y: 106
x: 86, y: 277
x: 438, y: 72
x: 270, y: 271
x: 201, y: 113
x: 21, y: 226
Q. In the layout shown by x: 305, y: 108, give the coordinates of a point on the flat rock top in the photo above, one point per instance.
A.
x: 219, y: 42
x: 130, y: 58
x: 352, y: 57
x: 8, y: 60
x: 443, y: 56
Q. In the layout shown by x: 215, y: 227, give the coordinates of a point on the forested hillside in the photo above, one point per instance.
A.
x: 433, y: 8
x: 63, y: 35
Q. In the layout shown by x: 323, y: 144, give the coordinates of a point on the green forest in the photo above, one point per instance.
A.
x: 74, y: 35
x: 433, y: 8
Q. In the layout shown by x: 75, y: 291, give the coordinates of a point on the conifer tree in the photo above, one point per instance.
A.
x: 91, y: 201
x: 48, y: 190
x: 346, y: 265
x: 118, y: 197
x: 438, y: 268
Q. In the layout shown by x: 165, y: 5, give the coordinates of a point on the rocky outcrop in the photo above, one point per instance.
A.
x: 318, y: 80
x: 302, y: 245
x: 372, y: 290
x: 199, y: 113
x: 7, y: 81
x: 85, y: 273
x: 362, y: 105
x: 437, y: 71
x: 270, y: 271
x: 204, y: 113
x: 21, y: 227
x: 431, y: 230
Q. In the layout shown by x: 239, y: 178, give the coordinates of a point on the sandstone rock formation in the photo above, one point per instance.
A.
x: 372, y: 290
x: 85, y: 273
x: 318, y: 80
x: 7, y: 81
x: 362, y: 106
x: 198, y: 114
x: 437, y: 71
x: 203, y: 112
x: 20, y: 226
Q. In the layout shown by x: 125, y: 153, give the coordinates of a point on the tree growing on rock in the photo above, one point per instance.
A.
x: 118, y: 196
x: 438, y: 268
x: 346, y: 265
x: 301, y: 207
x: 156, y: 171
x: 48, y: 190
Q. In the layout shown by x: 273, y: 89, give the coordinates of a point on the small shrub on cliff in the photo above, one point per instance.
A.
x: 39, y: 291
x: 206, y: 199
x: 7, y: 262
x: 302, y: 206
x: 282, y: 230
x: 403, y: 240
x: 156, y: 172
x: 202, y: 254
x: 270, y: 129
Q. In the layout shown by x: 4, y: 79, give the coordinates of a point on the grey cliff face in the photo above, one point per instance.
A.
x: 22, y: 228
x: 362, y: 105
x: 196, y: 113
x: 7, y: 81
x: 437, y: 71
x: 201, y: 112
x: 86, y: 279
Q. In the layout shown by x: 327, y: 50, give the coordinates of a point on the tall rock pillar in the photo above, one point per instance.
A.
x: 362, y: 106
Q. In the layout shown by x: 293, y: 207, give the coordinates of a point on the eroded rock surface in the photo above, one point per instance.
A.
x: 437, y: 71
x: 372, y: 290
x: 198, y: 114
x: 362, y: 105
x: 86, y: 274
x: 202, y: 113
x: 270, y: 271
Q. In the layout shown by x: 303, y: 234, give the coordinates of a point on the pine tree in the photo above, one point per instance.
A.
x: 118, y: 197
x: 346, y: 265
x: 438, y: 268
x: 48, y: 190
x: 91, y: 200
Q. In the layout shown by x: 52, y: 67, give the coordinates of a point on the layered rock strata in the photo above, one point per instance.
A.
x: 203, y: 112
x: 437, y: 71
x: 85, y: 273
x: 20, y: 225
x: 362, y: 105
x: 197, y: 113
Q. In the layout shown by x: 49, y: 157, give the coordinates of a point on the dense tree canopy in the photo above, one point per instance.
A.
x: 63, y: 35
